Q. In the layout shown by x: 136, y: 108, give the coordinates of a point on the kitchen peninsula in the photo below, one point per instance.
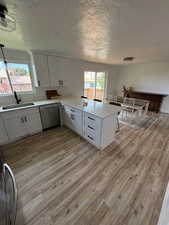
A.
x: 96, y: 122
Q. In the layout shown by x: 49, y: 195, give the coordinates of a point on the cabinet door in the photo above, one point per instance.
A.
x: 42, y: 71
x: 73, y: 119
x: 33, y: 121
x: 67, y: 121
x: 3, y: 133
x: 77, y: 122
x: 57, y: 70
x: 15, y: 127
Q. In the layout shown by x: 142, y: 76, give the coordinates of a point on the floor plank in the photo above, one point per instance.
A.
x: 63, y: 180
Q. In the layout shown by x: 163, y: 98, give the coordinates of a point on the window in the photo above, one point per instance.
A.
x: 19, y: 78
x: 94, y: 85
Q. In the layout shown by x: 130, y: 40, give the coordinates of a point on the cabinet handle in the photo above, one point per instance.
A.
x: 26, y: 120
x: 91, y: 118
x: 90, y: 137
x: 72, y: 117
x: 22, y: 120
x: 91, y: 127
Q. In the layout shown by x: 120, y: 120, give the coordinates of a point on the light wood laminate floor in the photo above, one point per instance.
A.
x: 63, y: 180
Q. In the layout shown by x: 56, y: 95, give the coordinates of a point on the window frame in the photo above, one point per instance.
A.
x: 105, y: 84
x: 31, y: 77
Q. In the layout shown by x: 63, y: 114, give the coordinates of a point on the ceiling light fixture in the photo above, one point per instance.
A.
x: 7, y: 22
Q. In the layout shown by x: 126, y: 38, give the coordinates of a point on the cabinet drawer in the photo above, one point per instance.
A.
x: 73, y: 114
x: 92, y: 137
x: 92, y: 123
x: 93, y: 130
x: 72, y: 110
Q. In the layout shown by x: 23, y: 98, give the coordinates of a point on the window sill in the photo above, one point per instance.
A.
x: 19, y: 93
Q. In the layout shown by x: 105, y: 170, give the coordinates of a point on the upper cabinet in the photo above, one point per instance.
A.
x: 42, y: 69
x: 63, y: 74
x: 57, y: 69
x: 49, y: 70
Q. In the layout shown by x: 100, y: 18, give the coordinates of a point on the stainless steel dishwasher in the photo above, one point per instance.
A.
x: 50, y: 115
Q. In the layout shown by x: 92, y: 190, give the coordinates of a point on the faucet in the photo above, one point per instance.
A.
x: 18, y: 100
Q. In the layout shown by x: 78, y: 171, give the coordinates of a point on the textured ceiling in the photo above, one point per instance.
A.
x: 94, y: 30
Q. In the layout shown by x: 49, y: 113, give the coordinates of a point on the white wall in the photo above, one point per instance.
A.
x: 72, y: 74
x: 68, y: 70
x: 150, y: 77
x: 12, y: 54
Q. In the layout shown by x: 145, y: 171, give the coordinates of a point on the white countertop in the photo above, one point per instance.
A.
x: 96, y: 108
x: 35, y: 104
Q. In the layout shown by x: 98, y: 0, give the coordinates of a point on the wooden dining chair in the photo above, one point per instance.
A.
x: 97, y: 100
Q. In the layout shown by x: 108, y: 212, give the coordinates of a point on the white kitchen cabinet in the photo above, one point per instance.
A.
x: 96, y: 122
x: 73, y: 119
x: 15, y: 127
x: 42, y: 69
x: 20, y: 123
x: 59, y: 69
x: 99, y: 131
x: 56, y: 70
x: 3, y: 133
x: 92, y: 129
x: 33, y: 121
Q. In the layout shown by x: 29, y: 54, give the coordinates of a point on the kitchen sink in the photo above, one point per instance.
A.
x: 17, y: 105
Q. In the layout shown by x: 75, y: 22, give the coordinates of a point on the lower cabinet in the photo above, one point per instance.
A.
x: 20, y: 123
x: 23, y: 122
x: 72, y: 118
x: 98, y: 131
x: 15, y: 127
x: 33, y: 122
x: 92, y: 129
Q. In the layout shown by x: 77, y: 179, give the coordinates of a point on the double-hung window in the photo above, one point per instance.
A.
x: 95, y: 85
x: 19, y: 78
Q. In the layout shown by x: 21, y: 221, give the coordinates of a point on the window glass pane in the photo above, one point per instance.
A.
x: 89, y: 84
x: 100, y: 85
x: 20, y: 77
x: 4, y: 82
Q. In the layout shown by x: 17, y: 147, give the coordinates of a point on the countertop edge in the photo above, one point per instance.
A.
x: 63, y: 102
